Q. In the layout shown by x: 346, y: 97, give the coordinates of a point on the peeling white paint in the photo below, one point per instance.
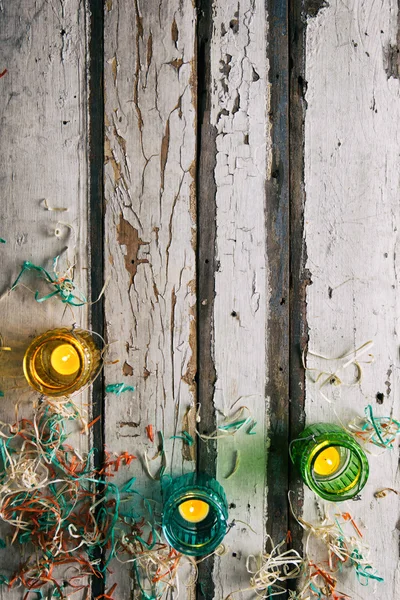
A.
x: 352, y: 217
x: 150, y: 187
x: 240, y: 99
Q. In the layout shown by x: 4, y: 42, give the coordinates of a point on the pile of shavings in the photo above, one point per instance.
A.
x: 345, y: 547
x: 379, y: 431
x: 269, y: 571
x: 66, y: 530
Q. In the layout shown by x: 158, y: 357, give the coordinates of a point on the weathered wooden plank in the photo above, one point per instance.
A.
x: 150, y: 147
x: 43, y: 147
x: 352, y: 215
x: 239, y: 112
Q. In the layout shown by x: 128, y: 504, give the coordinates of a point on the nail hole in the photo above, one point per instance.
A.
x: 206, y: 261
x: 234, y: 313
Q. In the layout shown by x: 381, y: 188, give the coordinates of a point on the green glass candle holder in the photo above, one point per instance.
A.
x: 195, y: 513
x: 332, y: 464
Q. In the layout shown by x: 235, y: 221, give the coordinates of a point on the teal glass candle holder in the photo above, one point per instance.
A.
x: 195, y: 513
x: 331, y: 462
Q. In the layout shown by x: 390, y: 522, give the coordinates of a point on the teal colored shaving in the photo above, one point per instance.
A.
x: 250, y: 430
x: 234, y: 425
x: 364, y: 572
x: 145, y: 595
x: 62, y: 288
x: 4, y: 580
x: 118, y: 388
x: 2, y: 241
x: 2, y: 544
x: 339, y: 527
x: 186, y: 437
x: 127, y: 487
x: 316, y: 590
x: 1, y: 394
x: 376, y: 424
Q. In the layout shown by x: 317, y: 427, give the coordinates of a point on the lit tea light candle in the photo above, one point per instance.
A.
x: 194, y: 511
x: 327, y: 462
x: 65, y: 359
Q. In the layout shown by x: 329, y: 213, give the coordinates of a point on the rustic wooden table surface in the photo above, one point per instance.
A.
x: 232, y: 170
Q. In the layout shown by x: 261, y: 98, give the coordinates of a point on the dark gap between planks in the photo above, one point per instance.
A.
x: 300, y: 279
x: 96, y: 221
x: 278, y: 250
x: 206, y: 265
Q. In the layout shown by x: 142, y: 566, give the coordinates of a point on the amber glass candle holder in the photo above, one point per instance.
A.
x: 61, y: 361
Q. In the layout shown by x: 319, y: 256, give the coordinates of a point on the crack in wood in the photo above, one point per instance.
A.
x: 164, y: 153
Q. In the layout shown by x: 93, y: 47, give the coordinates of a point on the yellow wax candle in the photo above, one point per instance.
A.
x: 65, y: 359
x: 194, y: 511
x: 327, y: 461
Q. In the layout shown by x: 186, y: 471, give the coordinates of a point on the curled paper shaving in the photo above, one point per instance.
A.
x: 53, y: 208
x: 164, y: 462
x: 230, y: 425
x: 332, y: 377
x: 383, y: 493
x: 235, y: 466
x: 185, y: 437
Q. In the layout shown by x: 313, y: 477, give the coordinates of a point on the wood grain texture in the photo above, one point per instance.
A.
x: 239, y: 109
x: 150, y: 149
x: 352, y: 218
x: 43, y: 146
